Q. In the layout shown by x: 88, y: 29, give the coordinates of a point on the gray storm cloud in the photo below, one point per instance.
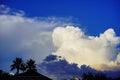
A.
x: 100, y: 52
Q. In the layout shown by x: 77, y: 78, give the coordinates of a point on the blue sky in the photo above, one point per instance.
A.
x: 94, y: 15
x: 89, y: 30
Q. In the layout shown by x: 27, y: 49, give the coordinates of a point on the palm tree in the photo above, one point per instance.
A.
x: 17, y: 63
x: 31, y: 65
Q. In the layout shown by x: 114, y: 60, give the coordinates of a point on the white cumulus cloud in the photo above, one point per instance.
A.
x: 38, y: 37
x: 77, y: 47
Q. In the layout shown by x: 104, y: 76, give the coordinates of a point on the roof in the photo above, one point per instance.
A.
x: 30, y: 75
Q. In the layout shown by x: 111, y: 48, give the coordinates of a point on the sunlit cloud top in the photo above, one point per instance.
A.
x: 77, y: 47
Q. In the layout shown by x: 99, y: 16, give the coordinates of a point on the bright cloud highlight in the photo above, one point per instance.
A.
x: 75, y: 46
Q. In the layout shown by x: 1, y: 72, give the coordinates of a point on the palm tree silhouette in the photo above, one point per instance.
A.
x: 31, y: 65
x: 17, y: 63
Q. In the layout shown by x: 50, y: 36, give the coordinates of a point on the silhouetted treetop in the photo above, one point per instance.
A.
x: 17, y: 64
x: 31, y: 65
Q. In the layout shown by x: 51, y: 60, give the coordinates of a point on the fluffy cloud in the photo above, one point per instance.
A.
x: 35, y: 38
x: 18, y: 33
x: 100, y: 52
x: 25, y: 37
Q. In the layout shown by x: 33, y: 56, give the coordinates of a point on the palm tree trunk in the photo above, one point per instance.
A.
x: 17, y: 71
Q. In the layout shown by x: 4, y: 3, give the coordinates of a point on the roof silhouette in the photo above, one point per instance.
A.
x: 30, y: 75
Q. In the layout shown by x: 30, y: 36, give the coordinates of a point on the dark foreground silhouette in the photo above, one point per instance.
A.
x: 28, y: 75
x: 29, y: 71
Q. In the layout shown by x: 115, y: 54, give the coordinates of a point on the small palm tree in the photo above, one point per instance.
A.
x: 31, y: 65
x: 17, y: 64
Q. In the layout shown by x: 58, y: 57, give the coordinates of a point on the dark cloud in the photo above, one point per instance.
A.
x: 59, y: 69
x: 50, y: 58
x: 113, y: 74
x: 52, y: 66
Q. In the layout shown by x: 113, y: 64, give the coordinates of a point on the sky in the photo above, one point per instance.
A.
x: 91, y: 15
x: 80, y: 31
